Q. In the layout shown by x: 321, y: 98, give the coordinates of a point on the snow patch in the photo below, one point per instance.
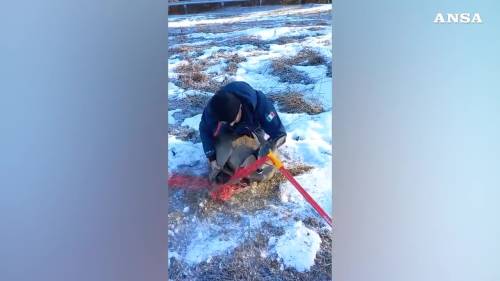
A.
x: 323, y: 89
x: 207, y: 244
x: 172, y: 255
x: 173, y: 90
x: 210, y: 51
x: 218, y: 69
x: 316, y: 72
x: 317, y: 183
x: 183, y: 153
x: 308, y: 137
x: 298, y: 247
x: 261, y: 33
x: 192, y: 122
x: 171, y: 118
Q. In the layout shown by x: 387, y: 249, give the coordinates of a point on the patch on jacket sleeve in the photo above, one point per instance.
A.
x: 270, y: 116
x: 217, y: 130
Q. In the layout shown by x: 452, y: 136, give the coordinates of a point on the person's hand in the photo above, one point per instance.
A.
x: 214, y: 165
x: 215, y: 169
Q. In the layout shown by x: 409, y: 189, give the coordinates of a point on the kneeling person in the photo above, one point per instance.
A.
x: 233, y: 128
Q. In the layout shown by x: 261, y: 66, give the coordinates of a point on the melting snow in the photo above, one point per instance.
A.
x: 180, y: 153
x: 171, y: 119
x: 192, y: 122
x: 298, y: 247
x: 209, y: 241
x: 318, y: 184
x: 309, y: 138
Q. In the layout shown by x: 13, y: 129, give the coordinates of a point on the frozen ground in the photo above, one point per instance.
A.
x: 268, y: 233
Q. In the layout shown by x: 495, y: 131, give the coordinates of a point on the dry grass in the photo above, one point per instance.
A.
x: 288, y: 74
x: 323, y: 262
x: 191, y: 105
x: 215, y: 28
x: 315, y: 28
x: 191, y: 76
x: 287, y: 39
x: 184, y: 133
x: 233, y: 62
x: 196, y: 100
x: 250, y: 40
x: 306, y: 56
x: 294, y: 102
x: 182, y: 49
x: 254, y: 198
x: 232, y: 59
x: 231, y: 68
x: 251, y: 261
x: 269, y: 187
x: 283, y: 67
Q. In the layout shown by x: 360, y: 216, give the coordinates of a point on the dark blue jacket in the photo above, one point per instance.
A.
x: 258, y: 112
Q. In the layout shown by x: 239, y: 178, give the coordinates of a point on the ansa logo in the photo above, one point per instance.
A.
x: 458, y: 18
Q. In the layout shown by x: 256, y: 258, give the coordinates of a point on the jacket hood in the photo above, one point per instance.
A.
x: 243, y: 91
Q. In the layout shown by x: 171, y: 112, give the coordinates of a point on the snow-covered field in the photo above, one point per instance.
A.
x: 271, y: 235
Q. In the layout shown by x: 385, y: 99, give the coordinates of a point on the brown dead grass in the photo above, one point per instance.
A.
x: 250, y: 40
x: 184, y: 133
x: 253, y: 198
x: 306, y: 56
x: 195, y: 100
x: 287, y: 39
x: 283, y: 67
x: 192, y: 104
x: 215, y: 28
x: 233, y: 62
x: 251, y: 261
x: 187, y: 51
x: 323, y: 262
x: 232, y: 59
x: 182, y: 49
x: 288, y: 74
x: 269, y: 187
x: 294, y: 102
x: 191, y: 76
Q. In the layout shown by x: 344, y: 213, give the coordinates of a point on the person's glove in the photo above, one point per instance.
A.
x: 271, y: 145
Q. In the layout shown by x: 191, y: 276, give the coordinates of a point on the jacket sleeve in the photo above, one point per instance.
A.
x: 206, y: 134
x: 268, y: 117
